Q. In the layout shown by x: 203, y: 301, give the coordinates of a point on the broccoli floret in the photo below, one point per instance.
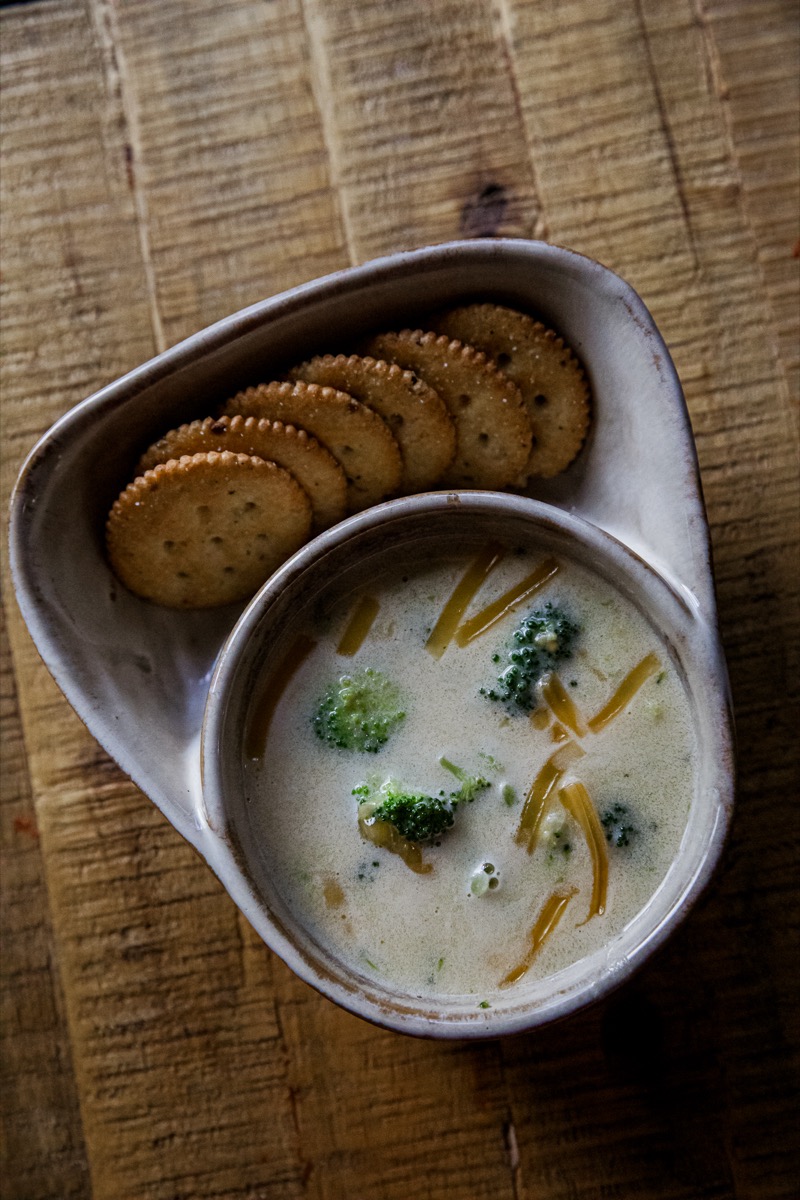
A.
x: 359, y: 712
x: 417, y: 816
x: 618, y: 826
x: 541, y: 640
x: 471, y: 785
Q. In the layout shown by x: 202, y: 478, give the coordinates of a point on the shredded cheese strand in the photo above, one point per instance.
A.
x: 625, y: 692
x: 498, y: 609
x: 578, y: 803
x: 535, y: 804
x: 540, y: 791
x: 561, y: 704
x: 358, y: 626
x: 546, y: 922
x: 278, y: 681
x: 384, y: 834
x: 567, y: 755
x: 474, y: 577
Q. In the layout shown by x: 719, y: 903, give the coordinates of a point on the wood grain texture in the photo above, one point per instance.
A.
x: 47, y: 1153
x: 422, y: 124
x: 168, y: 162
x: 755, y: 52
x: 226, y: 152
x: 74, y: 208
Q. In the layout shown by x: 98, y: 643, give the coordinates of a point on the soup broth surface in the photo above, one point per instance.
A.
x: 480, y: 920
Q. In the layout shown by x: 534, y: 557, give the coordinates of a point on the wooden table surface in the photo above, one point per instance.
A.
x: 166, y: 162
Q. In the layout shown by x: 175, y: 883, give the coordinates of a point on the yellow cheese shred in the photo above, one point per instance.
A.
x: 384, y: 834
x: 540, y: 791
x: 625, y: 692
x: 548, y: 919
x: 358, y: 626
x: 504, y: 604
x: 277, y: 683
x: 474, y: 577
x: 578, y: 803
x: 561, y: 704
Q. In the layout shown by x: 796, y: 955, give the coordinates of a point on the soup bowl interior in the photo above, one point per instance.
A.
x: 418, y: 530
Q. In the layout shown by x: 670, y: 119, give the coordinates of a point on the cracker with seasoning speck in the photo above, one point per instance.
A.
x: 493, y: 433
x: 547, y: 372
x: 415, y: 413
x: 206, y: 529
x: 314, y: 468
x: 359, y: 440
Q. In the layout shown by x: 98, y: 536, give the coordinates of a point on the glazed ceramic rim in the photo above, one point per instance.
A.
x: 697, y: 651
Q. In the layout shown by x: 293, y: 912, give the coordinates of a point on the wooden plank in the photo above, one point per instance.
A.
x: 227, y: 156
x: 755, y: 51
x: 70, y: 260
x: 65, y: 237
x: 165, y: 1019
x: 635, y: 167
x: 389, y: 1117
x: 422, y: 124
x: 161, y: 1017
x: 47, y: 1153
x: 169, y: 163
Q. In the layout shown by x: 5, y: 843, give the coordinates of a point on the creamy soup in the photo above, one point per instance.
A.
x: 568, y: 802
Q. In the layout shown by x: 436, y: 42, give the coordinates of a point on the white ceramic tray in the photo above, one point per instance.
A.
x: 138, y: 675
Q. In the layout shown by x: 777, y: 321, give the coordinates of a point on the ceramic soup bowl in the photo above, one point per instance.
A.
x: 419, y: 530
x: 140, y: 676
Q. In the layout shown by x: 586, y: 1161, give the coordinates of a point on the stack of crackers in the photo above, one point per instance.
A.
x: 484, y: 397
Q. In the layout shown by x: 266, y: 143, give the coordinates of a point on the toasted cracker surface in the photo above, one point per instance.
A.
x: 415, y: 413
x: 314, y: 468
x: 206, y: 529
x: 359, y: 440
x: 549, y: 376
x: 493, y: 433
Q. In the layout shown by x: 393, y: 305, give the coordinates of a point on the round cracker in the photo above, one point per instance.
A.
x: 493, y: 433
x: 206, y: 529
x: 549, y: 376
x: 314, y: 468
x: 359, y: 440
x: 415, y: 413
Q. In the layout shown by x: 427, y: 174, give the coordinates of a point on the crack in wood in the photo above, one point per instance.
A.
x: 121, y: 91
x: 666, y: 128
